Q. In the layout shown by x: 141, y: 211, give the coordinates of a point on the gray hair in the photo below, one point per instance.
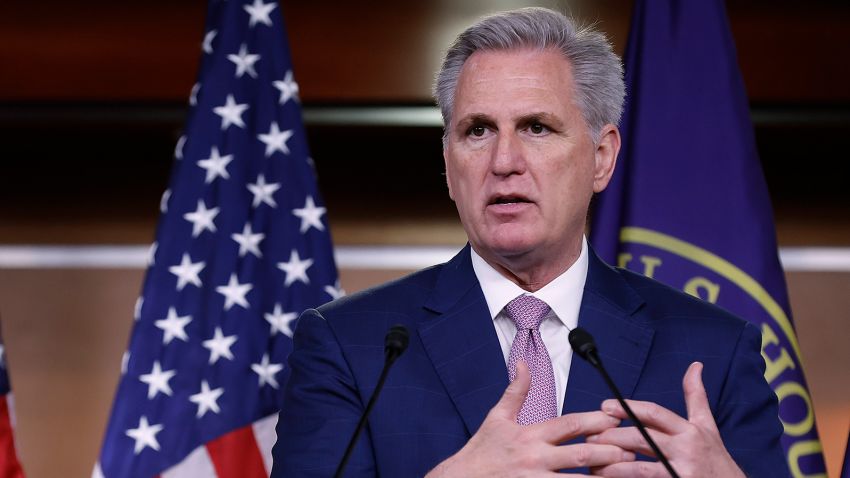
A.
x: 597, y: 70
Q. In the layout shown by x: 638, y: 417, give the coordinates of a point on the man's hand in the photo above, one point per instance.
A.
x: 501, y: 447
x: 692, y: 446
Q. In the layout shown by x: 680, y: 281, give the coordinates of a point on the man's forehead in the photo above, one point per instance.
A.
x: 529, y: 81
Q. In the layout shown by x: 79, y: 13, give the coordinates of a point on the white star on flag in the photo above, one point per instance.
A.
x: 295, y: 269
x: 259, y: 12
x: 248, y: 241
x: 178, y: 148
x: 263, y: 192
x: 234, y: 293
x: 173, y: 326
x: 266, y: 371
x: 231, y: 113
x: 280, y: 320
x: 206, y: 399
x: 157, y: 380
x: 244, y: 62
x: 193, y: 95
x: 137, y: 309
x: 219, y: 346
x: 202, y: 218
x: 208, y: 38
x: 215, y: 165
x: 311, y: 216
x: 275, y: 139
x: 187, y: 272
x: 145, y: 435
x: 152, y: 254
x: 125, y: 361
x: 288, y: 88
x: 163, y: 201
x: 335, y: 291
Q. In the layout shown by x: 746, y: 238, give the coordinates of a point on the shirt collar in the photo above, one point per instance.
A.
x: 563, y: 294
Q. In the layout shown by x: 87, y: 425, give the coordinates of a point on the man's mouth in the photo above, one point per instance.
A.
x: 509, y: 199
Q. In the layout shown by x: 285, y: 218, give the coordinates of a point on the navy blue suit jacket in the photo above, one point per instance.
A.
x: 453, y: 372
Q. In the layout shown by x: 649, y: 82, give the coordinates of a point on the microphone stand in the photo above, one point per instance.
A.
x: 395, y: 343
x: 583, y: 344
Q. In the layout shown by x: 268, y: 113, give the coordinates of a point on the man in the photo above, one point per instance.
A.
x: 530, y: 106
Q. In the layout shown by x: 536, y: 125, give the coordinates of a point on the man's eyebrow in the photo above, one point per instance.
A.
x: 476, y: 118
x: 539, y: 117
x: 550, y: 119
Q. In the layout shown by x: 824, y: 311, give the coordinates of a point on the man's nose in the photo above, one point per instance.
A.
x: 508, y: 157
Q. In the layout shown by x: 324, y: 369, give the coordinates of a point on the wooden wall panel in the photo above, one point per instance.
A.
x: 102, y: 51
x: 381, y: 51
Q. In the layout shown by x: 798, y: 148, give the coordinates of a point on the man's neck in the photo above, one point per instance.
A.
x: 531, y: 273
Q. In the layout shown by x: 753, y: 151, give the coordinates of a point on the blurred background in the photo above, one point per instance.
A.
x: 92, y: 101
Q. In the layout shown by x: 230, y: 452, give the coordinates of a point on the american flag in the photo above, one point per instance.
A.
x: 9, y: 465
x: 241, y: 249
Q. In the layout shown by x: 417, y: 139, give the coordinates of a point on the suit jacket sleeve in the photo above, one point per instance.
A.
x: 747, y: 412
x: 321, y: 408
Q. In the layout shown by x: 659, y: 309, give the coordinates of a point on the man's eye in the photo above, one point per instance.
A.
x: 537, y: 128
x: 477, y: 131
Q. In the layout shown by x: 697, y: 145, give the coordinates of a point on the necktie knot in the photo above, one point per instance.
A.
x: 527, y: 312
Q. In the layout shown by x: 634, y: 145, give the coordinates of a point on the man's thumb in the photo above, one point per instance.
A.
x: 514, y: 396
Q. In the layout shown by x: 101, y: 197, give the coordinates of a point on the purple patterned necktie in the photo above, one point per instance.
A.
x: 540, y: 405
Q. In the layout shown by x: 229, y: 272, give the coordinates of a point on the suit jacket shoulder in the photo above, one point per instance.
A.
x: 665, y: 301
x: 414, y: 288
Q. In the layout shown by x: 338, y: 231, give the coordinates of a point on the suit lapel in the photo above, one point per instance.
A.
x: 607, y: 312
x: 462, y: 343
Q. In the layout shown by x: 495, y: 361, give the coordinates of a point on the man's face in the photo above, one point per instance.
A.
x: 520, y: 163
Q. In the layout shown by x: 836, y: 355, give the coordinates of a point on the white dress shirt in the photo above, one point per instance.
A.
x: 563, y: 295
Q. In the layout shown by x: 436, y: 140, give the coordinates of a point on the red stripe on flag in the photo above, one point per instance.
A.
x: 236, y: 455
x: 9, y: 465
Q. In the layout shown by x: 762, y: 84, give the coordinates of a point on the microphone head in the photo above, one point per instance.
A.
x: 395, y: 343
x: 582, y: 343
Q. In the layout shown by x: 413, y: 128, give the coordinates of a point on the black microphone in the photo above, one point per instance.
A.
x: 582, y: 343
x: 395, y: 344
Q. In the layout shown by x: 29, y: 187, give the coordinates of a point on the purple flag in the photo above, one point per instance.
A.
x: 241, y: 249
x: 688, y: 204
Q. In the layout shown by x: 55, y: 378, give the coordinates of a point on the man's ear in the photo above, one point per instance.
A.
x: 446, y: 169
x: 605, y: 157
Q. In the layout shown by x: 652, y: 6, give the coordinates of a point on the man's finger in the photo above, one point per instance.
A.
x: 630, y: 438
x: 696, y: 400
x: 651, y: 414
x: 566, y: 427
x: 632, y: 469
x: 584, y: 455
x: 511, y: 401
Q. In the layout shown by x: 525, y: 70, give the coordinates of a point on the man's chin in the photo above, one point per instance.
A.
x: 510, y: 249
